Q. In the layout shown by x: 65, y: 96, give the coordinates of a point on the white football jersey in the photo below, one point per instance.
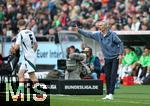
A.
x: 26, y: 40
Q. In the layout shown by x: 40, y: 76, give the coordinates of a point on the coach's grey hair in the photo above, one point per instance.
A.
x: 106, y: 23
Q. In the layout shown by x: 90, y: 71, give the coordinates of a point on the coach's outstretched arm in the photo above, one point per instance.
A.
x: 89, y: 34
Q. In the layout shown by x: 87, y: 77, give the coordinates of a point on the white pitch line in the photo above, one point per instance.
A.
x: 115, y: 101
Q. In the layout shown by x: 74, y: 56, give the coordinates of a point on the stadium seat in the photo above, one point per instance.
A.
x: 102, y: 77
x: 128, y: 80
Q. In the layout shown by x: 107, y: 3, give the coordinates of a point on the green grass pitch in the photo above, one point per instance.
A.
x: 137, y: 95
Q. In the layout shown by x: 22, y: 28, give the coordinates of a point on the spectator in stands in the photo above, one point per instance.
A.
x: 62, y: 13
x: 33, y: 26
x: 51, y: 35
x: 135, y: 24
x: 129, y: 22
x: 46, y: 26
x: 112, y: 49
x: 74, y: 9
x: 93, y: 63
x: 145, y: 25
x: 56, y: 21
x: 126, y: 28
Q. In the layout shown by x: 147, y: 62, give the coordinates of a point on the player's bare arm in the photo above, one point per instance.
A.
x: 14, y: 48
x: 35, y: 46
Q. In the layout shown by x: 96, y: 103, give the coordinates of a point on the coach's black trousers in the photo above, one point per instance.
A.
x: 110, y: 69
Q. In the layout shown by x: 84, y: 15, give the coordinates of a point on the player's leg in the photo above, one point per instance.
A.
x: 33, y: 77
x: 20, y: 90
x: 30, y: 63
x: 21, y: 80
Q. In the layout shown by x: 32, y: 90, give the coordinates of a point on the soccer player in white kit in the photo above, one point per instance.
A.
x: 27, y: 41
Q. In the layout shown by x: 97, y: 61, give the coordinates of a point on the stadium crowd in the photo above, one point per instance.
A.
x: 45, y: 17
